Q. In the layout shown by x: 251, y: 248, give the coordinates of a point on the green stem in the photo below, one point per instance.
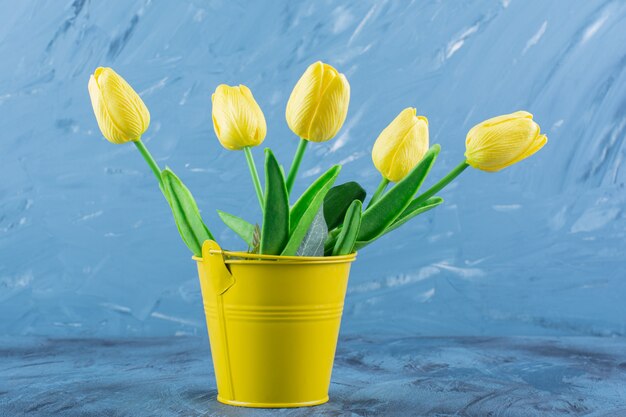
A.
x: 149, y: 159
x: 379, y: 191
x: 255, y: 175
x: 295, y: 165
x: 441, y: 183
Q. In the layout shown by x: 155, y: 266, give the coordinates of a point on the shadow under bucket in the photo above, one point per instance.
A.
x: 273, y: 324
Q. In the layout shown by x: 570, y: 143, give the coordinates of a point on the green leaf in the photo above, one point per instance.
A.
x: 413, y: 210
x: 312, y: 195
x: 275, y: 230
x: 350, y: 230
x: 382, y: 214
x: 238, y: 225
x: 406, y: 215
x: 313, y: 242
x: 338, y: 199
x: 304, y: 210
x: 185, y: 210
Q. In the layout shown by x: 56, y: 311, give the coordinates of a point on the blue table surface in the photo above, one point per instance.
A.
x: 373, y: 376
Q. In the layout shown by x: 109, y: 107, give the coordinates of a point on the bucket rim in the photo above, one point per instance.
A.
x: 255, y: 258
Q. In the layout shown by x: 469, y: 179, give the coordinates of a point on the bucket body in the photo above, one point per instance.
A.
x: 273, y: 325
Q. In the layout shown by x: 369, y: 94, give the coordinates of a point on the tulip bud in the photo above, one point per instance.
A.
x: 318, y: 104
x: 121, y: 114
x: 401, y: 145
x: 237, y: 118
x: 503, y: 141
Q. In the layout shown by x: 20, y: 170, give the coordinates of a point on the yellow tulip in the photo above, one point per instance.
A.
x: 503, y: 141
x: 401, y: 145
x: 237, y: 118
x: 121, y: 114
x: 318, y: 104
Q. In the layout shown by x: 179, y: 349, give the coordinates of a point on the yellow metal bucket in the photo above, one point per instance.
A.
x: 273, y: 324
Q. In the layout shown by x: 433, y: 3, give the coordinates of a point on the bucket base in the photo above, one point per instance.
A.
x: 272, y: 405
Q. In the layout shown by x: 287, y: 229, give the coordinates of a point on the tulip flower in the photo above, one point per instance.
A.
x: 502, y: 141
x: 239, y: 124
x: 316, y: 109
x: 121, y: 114
x: 399, y: 147
x: 237, y: 118
x: 318, y: 104
x: 495, y: 144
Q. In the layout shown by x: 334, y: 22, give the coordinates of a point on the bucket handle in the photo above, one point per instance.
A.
x: 219, y: 275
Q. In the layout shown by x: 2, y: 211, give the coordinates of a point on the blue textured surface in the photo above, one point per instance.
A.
x: 373, y: 376
x: 87, y: 243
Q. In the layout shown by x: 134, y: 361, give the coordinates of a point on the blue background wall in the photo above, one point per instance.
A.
x: 87, y: 243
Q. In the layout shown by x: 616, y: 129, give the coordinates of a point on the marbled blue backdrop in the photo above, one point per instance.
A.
x: 87, y: 242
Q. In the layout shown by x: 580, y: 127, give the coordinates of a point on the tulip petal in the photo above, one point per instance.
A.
x: 302, y: 103
x: 108, y: 128
x: 520, y: 114
x: 386, y: 147
x: 537, y: 144
x: 332, y: 110
x: 255, y: 117
x: 409, y: 151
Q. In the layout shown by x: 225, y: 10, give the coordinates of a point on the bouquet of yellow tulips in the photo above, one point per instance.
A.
x: 327, y: 219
